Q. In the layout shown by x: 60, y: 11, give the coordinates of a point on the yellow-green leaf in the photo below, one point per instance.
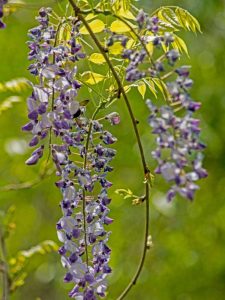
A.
x: 162, y: 87
x: 179, y: 44
x: 97, y: 58
x: 151, y: 86
x: 119, y: 27
x: 96, y: 26
x: 187, y: 21
x: 15, y: 85
x: 118, y: 5
x: 92, y: 78
x: 173, y: 17
x: 18, y: 282
x: 127, y: 88
x: 150, y: 48
x: 130, y: 44
x: 90, y: 16
x: 142, y: 89
x: 116, y: 48
x: 8, y: 103
x: 126, y: 14
x: 64, y: 33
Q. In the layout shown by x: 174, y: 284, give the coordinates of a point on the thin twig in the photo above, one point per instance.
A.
x: 27, y: 184
x: 5, y: 283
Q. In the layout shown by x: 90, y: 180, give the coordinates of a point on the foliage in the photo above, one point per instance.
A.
x: 13, y: 86
x: 155, y: 86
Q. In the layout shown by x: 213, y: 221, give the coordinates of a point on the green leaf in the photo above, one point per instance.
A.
x: 168, y: 17
x: 119, y: 27
x: 151, y: 85
x: 15, y: 85
x: 18, y: 263
x: 187, y: 21
x: 142, y: 89
x: 174, y: 17
x: 96, y: 26
x: 126, y: 14
x: 90, y: 16
x: 150, y: 48
x: 162, y: 87
x: 127, y: 88
x: 8, y: 103
x: 116, y: 48
x: 92, y: 78
x: 97, y: 58
x: 128, y: 194
x: 43, y: 248
x: 180, y: 44
x: 120, y: 5
x: 125, y: 193
x: 18, y: 282
x: 64, y: 33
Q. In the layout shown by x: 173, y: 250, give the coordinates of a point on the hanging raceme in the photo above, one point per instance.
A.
x: 128, y: 50
x: 177, y: 130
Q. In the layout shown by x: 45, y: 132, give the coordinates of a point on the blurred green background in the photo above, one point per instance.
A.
x: 187, y: 261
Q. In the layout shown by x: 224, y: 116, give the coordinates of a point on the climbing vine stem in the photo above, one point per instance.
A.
x: 147, y: 174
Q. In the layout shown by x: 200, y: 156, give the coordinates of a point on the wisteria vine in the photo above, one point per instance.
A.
x: 78, y: 141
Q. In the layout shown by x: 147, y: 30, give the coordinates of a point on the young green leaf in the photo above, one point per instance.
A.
x: 92, y: 78
x: 8, y: 103
x: 116, y: 48
x: 179, y: 44
x: 15, y: 85
x: 142, y: 88
x: 97, y: 58
x: 119, y: 27
x: 96, y: 26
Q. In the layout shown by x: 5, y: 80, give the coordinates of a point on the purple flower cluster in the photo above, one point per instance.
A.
x: 85, y: 253
x: 138, y: 66
x: 146, y: 22
x: 179, y: 149
x: 51, y: 107
x: 79, y: 151
x: 138, y: 56
x: 2, y: 3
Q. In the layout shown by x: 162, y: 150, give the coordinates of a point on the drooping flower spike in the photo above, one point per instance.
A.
x: 54, y: 111
x: 179, y: 149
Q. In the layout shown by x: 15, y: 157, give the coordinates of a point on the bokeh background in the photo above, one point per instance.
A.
x: 187, y: 261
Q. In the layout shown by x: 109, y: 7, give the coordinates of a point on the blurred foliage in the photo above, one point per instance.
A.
x: 187, y: 260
